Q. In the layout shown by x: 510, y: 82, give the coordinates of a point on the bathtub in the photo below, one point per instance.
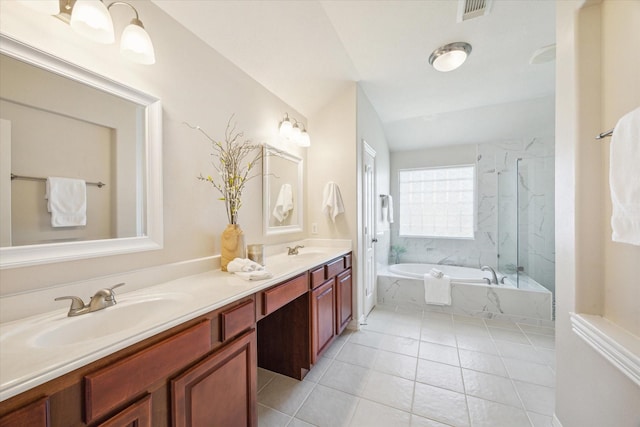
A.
x: 402, y: 285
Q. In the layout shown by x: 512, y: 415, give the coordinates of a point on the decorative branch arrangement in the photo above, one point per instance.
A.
x: 234, y: 162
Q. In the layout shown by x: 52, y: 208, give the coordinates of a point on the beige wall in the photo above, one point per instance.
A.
x: 593, y: 275
x: 196, y: 85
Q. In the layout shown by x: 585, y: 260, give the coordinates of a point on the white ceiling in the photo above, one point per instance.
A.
x: 306, y: 52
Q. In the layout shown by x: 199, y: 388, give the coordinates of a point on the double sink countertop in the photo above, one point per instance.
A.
x: 39, y: 348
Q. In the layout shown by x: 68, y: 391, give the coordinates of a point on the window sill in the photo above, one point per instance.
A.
x: 620, y: 347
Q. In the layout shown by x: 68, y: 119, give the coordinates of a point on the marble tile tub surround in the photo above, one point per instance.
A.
x: 493, y: 158
x: 476, y: 300
x: 21, y: 305
x: 410, y: 368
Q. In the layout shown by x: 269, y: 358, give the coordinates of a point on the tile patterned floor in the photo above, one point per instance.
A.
x: 421, y: 369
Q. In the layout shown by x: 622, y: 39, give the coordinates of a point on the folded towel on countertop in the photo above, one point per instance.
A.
x: 254, y: 275
x: 67, y: 201
x: 243, y: 265
x: 624, y: 179
x: 437, y: 290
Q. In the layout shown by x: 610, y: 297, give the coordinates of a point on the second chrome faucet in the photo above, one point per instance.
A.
x: 102, y: 299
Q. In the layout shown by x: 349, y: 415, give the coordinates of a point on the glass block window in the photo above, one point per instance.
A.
x: 437, y: 202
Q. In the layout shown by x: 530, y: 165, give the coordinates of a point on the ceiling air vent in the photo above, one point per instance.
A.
x: 469, y: 9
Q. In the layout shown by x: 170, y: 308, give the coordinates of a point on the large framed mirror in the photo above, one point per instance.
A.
x: 282, y: 192
x: 58, y: 120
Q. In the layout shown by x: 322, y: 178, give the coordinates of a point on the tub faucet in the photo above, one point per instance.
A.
x: 294, y: 251
x: 494, y: 276
x: 102, y: 299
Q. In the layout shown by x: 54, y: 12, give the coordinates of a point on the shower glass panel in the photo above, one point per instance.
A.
x: 508, y: 223
x: 535, y: 220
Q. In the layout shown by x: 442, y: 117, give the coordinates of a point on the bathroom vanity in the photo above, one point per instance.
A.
x: 201, y: 369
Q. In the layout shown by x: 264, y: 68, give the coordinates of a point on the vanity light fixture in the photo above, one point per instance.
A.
x: 296, y: 132
x: 92, y: 19
x: 450, y: 56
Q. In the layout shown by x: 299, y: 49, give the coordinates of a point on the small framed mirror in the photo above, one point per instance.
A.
x: 282, y: 192
x: 62, y: 122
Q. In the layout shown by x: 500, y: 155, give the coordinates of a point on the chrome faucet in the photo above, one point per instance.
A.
x: 102, y: 299
x: 294, y: 251
x: 494, y: 276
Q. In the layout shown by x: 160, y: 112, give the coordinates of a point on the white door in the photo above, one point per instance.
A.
x: 369, y: 232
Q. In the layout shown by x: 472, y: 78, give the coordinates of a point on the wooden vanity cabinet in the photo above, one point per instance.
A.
x: 331, y: 303
x: 144, y: 384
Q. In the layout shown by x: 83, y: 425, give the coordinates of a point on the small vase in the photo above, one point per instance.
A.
x: 232, y: 245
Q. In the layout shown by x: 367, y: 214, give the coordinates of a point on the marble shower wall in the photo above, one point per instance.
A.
x: 497, y: 231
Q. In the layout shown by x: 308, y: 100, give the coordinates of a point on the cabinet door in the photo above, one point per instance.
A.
x: 344, y: 300
x: 221, y: 390
x: 323, y: 318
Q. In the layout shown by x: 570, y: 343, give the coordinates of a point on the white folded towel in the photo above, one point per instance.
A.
x: 284, y: 203
x: 437, y: 290
x: 254, y: 275
x: 332, y: 203
x: 67, y: 201
x: 390, y: 212
x: 243, y: 265
x: 436, y: 273
x: 624, y: 179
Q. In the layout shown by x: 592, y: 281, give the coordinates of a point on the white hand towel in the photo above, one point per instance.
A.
x: 390, y: 213
x: 624, y: 179
x: 284, y: 203
x: 437, y: 291
x: 67, y: 201
x: 332, y: 203
x: 254, y: 275
x: 243, y: 265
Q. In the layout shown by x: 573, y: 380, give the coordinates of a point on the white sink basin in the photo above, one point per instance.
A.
x: 58, y: 330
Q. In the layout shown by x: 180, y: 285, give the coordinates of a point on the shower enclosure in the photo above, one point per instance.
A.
x: 526, y: 251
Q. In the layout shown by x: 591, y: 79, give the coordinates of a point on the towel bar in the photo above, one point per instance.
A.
x: 98, y: 184
x: 605, y: 134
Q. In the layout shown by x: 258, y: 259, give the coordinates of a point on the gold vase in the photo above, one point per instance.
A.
x: 232, y: 245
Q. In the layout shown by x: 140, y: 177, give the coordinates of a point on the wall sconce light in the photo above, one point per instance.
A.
x: 91, y: 19
x: 296, y: 133
x: 450, y: 56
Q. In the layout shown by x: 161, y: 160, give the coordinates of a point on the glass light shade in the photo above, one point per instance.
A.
x: 450, y: 61
x: 295, y: 134
x: 450, y: 56
x: 304, y: 140
x: 136, y: 45
x: 48, y: 7
x: 286, y: 128
x: 91, y: 19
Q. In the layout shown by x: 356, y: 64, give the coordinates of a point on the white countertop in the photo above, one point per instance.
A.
x: 27, y: 360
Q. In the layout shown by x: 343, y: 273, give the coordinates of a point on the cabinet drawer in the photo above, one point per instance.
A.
x: 334, y: 267
x: 347, y: 261
x: 35, y: 414
x: 237, y: 319
x: 119, y: 383
x: 317, y: 277
x: 284, y: 293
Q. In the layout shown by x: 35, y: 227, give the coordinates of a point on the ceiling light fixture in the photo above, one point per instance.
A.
x: 450, y: 56
x: 297, y: 132
x: 92, y: 19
